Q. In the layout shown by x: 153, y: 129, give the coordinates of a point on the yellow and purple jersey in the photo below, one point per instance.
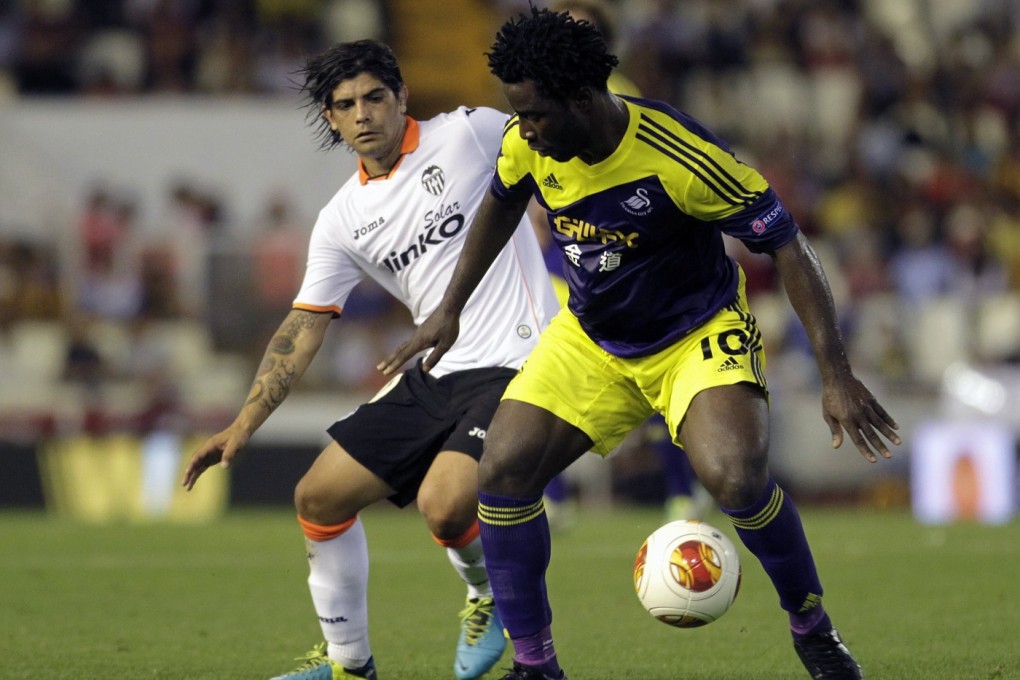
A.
x: 641, y: 231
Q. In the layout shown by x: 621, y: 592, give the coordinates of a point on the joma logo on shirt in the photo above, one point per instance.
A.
x: 361, y: 231
x: 434, y: 235
x: 579, y: 230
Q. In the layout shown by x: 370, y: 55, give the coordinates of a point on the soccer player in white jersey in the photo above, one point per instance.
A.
x: 400, y: 220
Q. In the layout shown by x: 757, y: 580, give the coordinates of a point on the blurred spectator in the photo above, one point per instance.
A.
x: 30, y: 281
x: 921, y: 264
x: 111, y: 62
x: 883, y: 74
x: 975, y: 271
x: 828, y: 34
x: 346, y: 20
x: 863, y: 263
x: 48, y: 38
x: 103, y: 227
x: 83, y: 364
x: 1004, y: 239
x: 281, y: 54
x: 224, y: 64
x: 278, y: 257
x: 170, y: 33
x: 109, y: 289
x: 941, y: 284
x: 160, y: 291
x: 664, y: 46
x: 149, y: 364
x: 174, y: 269
x: 108, y: 285
x: 85, y: 367
x: 849, y: 206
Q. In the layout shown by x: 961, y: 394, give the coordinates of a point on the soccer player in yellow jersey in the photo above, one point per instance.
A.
x: 638, y: 196
x: 685, y: 497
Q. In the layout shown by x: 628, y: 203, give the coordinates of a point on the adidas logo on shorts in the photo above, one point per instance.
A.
x: 729, y: 365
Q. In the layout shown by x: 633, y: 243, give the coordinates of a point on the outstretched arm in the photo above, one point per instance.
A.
x: 289, y: 353
x: 490, y: 230
x: 846, y: 403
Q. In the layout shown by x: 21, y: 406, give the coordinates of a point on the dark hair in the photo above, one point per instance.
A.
x: 341, y: 62
x: 560, y: 55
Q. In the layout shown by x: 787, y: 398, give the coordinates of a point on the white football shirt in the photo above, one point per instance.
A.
x: 406, y: 231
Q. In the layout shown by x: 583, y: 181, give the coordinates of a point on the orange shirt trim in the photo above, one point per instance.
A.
x: 408, y: 145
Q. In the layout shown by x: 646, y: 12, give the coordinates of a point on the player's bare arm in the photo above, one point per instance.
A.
x: 846, y: 403
x: 492, y: 227
x: 288, y: 354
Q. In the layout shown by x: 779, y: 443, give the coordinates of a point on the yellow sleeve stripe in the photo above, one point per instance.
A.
x: 698, y: 162
x: 509, y: 516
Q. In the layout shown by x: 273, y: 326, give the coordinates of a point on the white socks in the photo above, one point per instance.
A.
x: 470, y: 566
x: 338, y: 580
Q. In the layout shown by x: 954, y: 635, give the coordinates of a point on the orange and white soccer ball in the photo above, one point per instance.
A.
x: 687, y: 573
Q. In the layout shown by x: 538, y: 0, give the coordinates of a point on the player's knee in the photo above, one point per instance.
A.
x: 740, y: 487
x: 315, y: 505
x: 304, y: 501
x: 493, y: 471
x: 503, y: 472
x: 448, y: 516
x: 447, y: 527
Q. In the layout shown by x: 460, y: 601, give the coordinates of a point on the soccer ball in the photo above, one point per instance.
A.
x: 687, y: 573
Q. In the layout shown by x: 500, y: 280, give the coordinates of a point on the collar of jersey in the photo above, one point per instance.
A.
x: 619, y: 155
x: 408, y: 145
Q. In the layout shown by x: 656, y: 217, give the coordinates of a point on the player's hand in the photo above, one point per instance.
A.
x: 439, y: 331
x: 848, y: 405
x: 220, y: 448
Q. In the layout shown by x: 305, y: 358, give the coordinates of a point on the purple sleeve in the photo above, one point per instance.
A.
x: 763, y: 227
x: 502, y: 192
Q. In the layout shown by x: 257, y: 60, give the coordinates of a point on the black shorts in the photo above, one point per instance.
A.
x: 398, y: 434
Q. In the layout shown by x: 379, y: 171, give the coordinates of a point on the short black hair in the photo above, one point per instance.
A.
x: 341, y: 62
x: 560, y: 55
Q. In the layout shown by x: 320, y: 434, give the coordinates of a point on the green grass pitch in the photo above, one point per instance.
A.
x: 228, y: 600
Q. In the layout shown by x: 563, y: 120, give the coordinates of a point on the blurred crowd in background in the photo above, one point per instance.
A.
x: 891, y: 128
x: 116, y: 47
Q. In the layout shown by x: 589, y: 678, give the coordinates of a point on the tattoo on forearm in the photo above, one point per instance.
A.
x: 267, y: 365
x: 281, y: 344
x: 272, y: 388
x: 297, y: 323
x: 277, y: 372
x: 255, y: 394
